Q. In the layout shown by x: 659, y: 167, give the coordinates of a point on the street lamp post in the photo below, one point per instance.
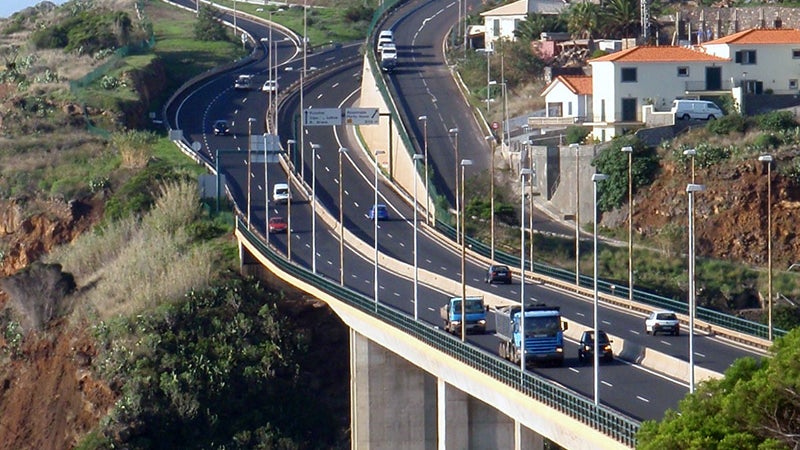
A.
x: 454, y: 132
x: 424, y: 120
x: 266, y: 189
x: 577, y: 149
x: 375, y: 223
x: 289, y: 144
x: 417, y: 157
x: 522, y: 173
x: 768, y: 159
x: 596, y: 178
x: 491, y: 141
x: 464, y: 164
x: 342, y: 151
x: 629, y: 151
x: 691, y: 153
x: 691, y: 189
x: 314, y: 149
x: 488, y: 79
x: 250, y: 121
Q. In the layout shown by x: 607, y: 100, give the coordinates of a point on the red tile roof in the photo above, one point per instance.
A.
x: 760, y: 36
x: 579, y: 84
x: 666, y: 53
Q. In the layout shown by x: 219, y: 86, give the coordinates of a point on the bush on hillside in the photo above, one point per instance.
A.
x: 767, y: 141
x: 776, y: 121
x: 728, y: 124
x: 209, y: 25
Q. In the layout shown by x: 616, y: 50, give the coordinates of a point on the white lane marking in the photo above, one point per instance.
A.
x: 319, y: 96
x: 605, y: 322
x: 643, y: 399
x: 574, y: 370
x: 403, y: 244
x: 335, y: 85
x: 607, y: 383
x: 443, y: 268
x: 700, y: 354
x: 397, y: 294
x: 428, y: 260
x: 389, y: 235
x: 666, y: 343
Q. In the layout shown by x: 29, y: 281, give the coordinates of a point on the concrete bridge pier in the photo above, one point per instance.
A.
x: 395, y: 404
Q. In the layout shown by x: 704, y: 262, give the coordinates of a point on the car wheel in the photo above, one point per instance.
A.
x: 686, y: 117
x: 608, y: 358
x: 581, y: 358
x: 712, y: 117
x: 676, y: 333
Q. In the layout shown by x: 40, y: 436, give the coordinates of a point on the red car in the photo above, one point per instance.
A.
x: 277, y: 224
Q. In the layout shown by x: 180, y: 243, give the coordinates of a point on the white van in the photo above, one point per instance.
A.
x: 281, y: 193
x: 696, y: 109
x: 383, y: 41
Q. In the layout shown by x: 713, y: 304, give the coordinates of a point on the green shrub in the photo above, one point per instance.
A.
x: 728, y: 124
x: 776, y: 121
x: 359, y: 13
x: 766, y: 141
x: 576, y: 134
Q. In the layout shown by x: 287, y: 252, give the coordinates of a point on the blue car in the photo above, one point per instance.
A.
x: 383, y: 212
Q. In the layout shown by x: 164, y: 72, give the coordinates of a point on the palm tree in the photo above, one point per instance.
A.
x: 621, y: 18
x: 583, y: 20
x: 534, y: 24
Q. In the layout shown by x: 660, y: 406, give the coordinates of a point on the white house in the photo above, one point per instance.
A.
x: 758, y: 60
x: 624, y: 81
x: 501, y: 22
x: 569, y: 96
x: 763, y: 59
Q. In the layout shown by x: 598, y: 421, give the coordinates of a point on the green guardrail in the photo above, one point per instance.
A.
x: 611, y: 423
x: 721, y: 319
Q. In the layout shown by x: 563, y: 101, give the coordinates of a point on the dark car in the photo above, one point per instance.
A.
x: 383, y: 212
x: 498, y: 274
x: 221, y: 128
x: 586, y: 347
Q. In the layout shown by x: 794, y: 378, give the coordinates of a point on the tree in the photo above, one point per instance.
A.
x: 535, y: 24
x: 583, y: 20
x: 614, y: 163
x: 620, y: 18
x: 209, y: 25
x: 755, y: 405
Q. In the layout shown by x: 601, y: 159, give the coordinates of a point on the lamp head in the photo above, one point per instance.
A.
x: 765, y: 158
x: 342, y: 150
x: 599, y: 177
x: 423, y: 118
x: 691, y: 188
x: 291, y: 141
x: 466, y: 162
x: 627, y: 150
x: 315, y: 146
x: 453, y: 131
x: 690, y: 152
x: 418, y: 156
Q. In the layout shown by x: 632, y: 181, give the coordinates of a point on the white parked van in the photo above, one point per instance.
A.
x: 281, y: 193
x: 696, y: 109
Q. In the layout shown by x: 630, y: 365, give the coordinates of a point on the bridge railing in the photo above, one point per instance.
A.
x: 580, y: 408
x: 710, y: 316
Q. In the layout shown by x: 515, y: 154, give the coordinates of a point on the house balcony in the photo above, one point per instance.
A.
x: 703, y: 87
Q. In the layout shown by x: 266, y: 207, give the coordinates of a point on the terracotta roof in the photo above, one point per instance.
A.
x: 579, y: 84
x: 666, y: 53
x: 760, y: 36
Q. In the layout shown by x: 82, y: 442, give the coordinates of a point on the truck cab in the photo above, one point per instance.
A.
x: 543, y: 333
x: 475, y: 310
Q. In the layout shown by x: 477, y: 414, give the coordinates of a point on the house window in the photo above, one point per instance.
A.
x: 792, y: 84
x: 569, y: 109
x: 796, y: 53
x: 683, y: 71
x: 628, y: 75
x: 746, y: 57
x: 496, y: 27
x: 516, y: 24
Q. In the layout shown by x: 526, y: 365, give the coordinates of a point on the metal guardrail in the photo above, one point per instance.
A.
x: 613, y: 424
x: 722, y: 320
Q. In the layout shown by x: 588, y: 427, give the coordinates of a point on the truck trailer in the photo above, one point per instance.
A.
x: 544, y: 333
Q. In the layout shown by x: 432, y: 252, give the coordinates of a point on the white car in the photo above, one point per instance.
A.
x: 662, y: 322
x: 270, y: 86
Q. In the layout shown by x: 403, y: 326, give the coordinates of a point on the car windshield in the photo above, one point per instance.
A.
x: 667, y: 316
x: 500, y: 269
x: 589, y: 337
x: 472, y: 306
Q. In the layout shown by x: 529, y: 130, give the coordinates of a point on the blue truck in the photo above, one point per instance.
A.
x: 475, y: 312
x: 544, y: 333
